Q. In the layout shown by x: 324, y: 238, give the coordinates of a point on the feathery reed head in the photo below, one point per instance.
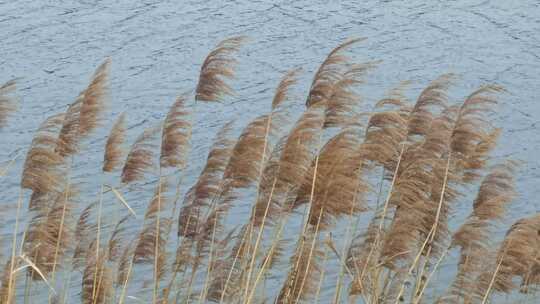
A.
x: 342, y: 103
x: 114, y: 151
x: 68, y: 139
x: 516, y: 258
x: 282, y: 91
x: 244, y: 166
x: 338, y: 189
x: 41, y: 171
x: 175, y: 136
x: 141, y: 157
x: 329, y: 73
x: 432, y: 98
x: 208, y: 185
x: 216, y: 68
x: 94, y: 99
x: 473, y: 136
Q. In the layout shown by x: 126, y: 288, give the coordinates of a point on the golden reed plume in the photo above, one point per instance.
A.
x: 175, y: 136
x: 114, y: 152
x: 141, y: 156
x: 41, y: 172
x: 216, y: 68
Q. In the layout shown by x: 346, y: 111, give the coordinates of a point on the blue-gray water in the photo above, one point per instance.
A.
x: 157, y: 47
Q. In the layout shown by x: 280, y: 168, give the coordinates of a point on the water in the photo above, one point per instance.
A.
x: 157, y: 47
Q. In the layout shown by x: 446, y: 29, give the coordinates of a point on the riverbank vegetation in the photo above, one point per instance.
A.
x: 363, y: 198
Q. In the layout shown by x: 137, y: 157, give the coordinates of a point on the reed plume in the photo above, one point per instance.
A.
x: 125, y: 264
x: 473, y: 136
x: 232, y: 265
x: 246, y: 160
x: 175, y: 136
x: 473, y: 237
x: 216, y: 68
x: 84, y: 232
x: 338, y: 188
x: 50, y: 231
x: 384, y: 136
x: 329, y: 72
x: 145, y: 246
x: 94, y: 99
x: 68, y: 139
x: 114, y: 152
x: 343, y: 101
x: 270, y: 163
x: 301, y: 282
x: 117, y: 239
x: 266, y: 208
x: 6, y: 281
x: 7, y: 103
x: 41, y: 172
x: 431, y: 99
x: 140, y: 157
x: 151, y: 244
x: 516, y: 258
x: 282, y: 92
x: 208, y: 184
x: 97, y: 279
x: 298, y: 153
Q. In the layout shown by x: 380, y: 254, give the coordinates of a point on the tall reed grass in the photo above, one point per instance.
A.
x: 403, y: 166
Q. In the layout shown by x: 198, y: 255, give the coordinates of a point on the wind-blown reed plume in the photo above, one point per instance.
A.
x: 7, y: 103
x: 436, y: 146
x: 97, y: 279
x: 473, y: 137
x: 334, y: 188
x: 270, y: 166
x: 175, y: 136
x: 6, y: 292
x: 516, y: 259
x: 282, y: 91
x: 328, y: 74
x: 114, y: 153
x: 84, y: 233
x: 68, y: 139
x: 265, y: 208
x: 411, y: 197
x: 40, y: 172
x: 116, y: 240
x: 432, y: 98
x: 140, y: 157
x: 216, y: 68
x: 246, y: 160
x: 50, y: 231
x: 125, y: 264
x: 298, y: 153
x: 343, y: 101
x: 385, y: 134
x: 338, y: 188
x: 150, y: 246
x: 301, y: 282
x: 243, y: 169
x: 208, y: 184
x: 496, y: 191
x: 363, y: 253
x: 83, y: 115
x: 94, y: 99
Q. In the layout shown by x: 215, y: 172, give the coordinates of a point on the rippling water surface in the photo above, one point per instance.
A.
x: 157, y: 47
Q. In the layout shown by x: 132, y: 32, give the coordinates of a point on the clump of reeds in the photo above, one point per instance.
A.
x: 407, y: 165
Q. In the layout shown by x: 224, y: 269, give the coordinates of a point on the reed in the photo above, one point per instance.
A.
x: 403, y: 168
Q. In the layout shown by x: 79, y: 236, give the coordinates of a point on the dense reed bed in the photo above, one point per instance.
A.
x: 363, y: 198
